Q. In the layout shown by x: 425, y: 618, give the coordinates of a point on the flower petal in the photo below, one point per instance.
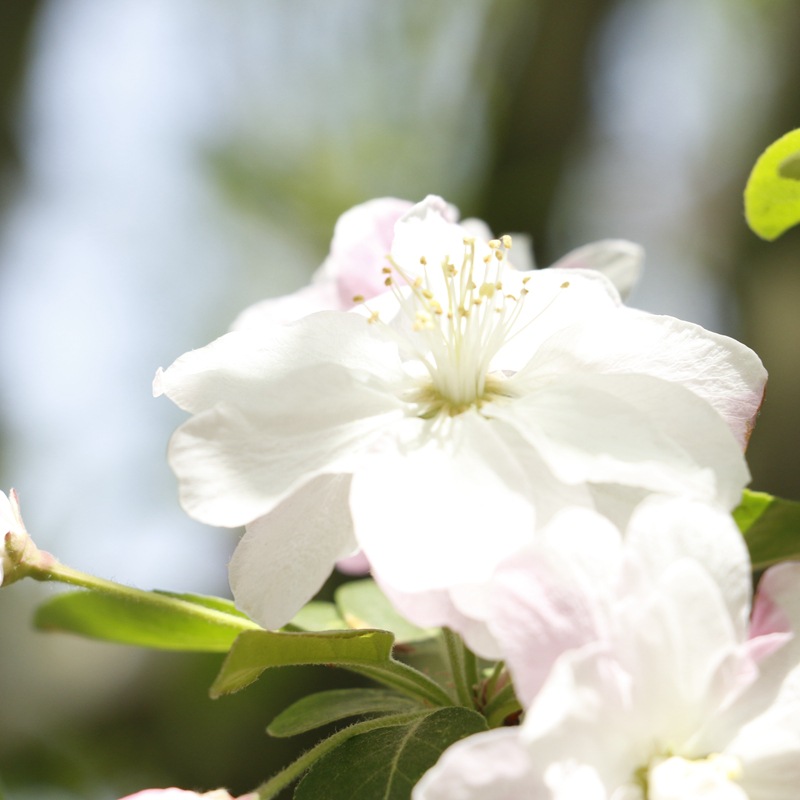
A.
x: 725, y: 373
x: 284, y: 557
x: 240, y: 368
x: 631, y: 429
x: 618, y: 259
x: 432, y: 509
x: 664, y: 530
x: 495, y: 765
x: 235, y: 464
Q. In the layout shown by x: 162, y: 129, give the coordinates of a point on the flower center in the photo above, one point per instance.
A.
x: 460, y: 316
x: 676, y: 778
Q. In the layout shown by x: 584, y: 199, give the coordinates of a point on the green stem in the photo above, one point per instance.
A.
x: 500, y: 706
x: 456, y: 655
x: 491, y: 684
x: 72, y: 577
x: 291, y: 773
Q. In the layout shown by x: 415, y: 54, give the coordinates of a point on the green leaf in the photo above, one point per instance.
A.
x: 144, y: 619
x: 255, y: 651
x: 363, y: 605
x: 366, y: 652
x: 772, y: 194
x: 317, y: 616
x: 323, y: 708
x: 386, y: 764
x: 771, y: 528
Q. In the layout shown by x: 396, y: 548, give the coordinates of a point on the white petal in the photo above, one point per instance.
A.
x: 665, y: 530
x: 284, y: 557
x: 630, y: 429
x: 725, y: 373
x: 440, y: 508
x: 771, y: 703
x: 235, y: 464
x: 429, y: 231
x: 769, y: 746
x: 618, y: 259
x: 240, y: 368
x: 494, y: 765
x: 555, y: 299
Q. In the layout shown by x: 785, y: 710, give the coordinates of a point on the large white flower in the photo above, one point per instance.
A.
x: 660, y: 691
x: 451, y: 416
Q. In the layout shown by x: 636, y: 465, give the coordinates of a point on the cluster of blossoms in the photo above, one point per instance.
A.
x: 522, y: 458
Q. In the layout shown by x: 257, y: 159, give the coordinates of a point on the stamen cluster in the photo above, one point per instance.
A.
x: 463, y: 315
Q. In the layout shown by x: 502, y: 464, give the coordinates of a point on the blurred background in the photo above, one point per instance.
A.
x: 164, y: 164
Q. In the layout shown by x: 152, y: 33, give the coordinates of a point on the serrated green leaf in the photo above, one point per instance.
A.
x: 255, y: 651
x: 362, y: 604
x: 771, y: 528
x: 322, y: 708
x: 772, y: 194
x: 386, y: 764
x: 317, y: 616
x: 147, y: 620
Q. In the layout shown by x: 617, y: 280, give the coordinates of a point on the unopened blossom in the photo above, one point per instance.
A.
x: 18, y: 553
x: 665, y: 687
x: 452, y: 415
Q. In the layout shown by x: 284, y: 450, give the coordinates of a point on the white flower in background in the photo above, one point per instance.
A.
x: 450, y: 416
x: 660, y: 691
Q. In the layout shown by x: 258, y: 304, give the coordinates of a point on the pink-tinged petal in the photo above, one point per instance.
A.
x: 630, y: 429
x: 355, y: 564
x: 549, y: 597
x: 284, y: 557
x: 618, y: 259
x: 495, y: 765
x: 362, y: 239
x: 434, y: 608
x: 246, y: 369
x: 435, y: 486
x: 235, y: 464
x: 723, y: 372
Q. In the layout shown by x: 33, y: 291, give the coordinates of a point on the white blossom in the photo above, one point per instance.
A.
x: 450, y: 416
x: 642, y: 676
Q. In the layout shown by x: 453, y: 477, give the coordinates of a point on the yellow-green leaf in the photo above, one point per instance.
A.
x: 772, y: 194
